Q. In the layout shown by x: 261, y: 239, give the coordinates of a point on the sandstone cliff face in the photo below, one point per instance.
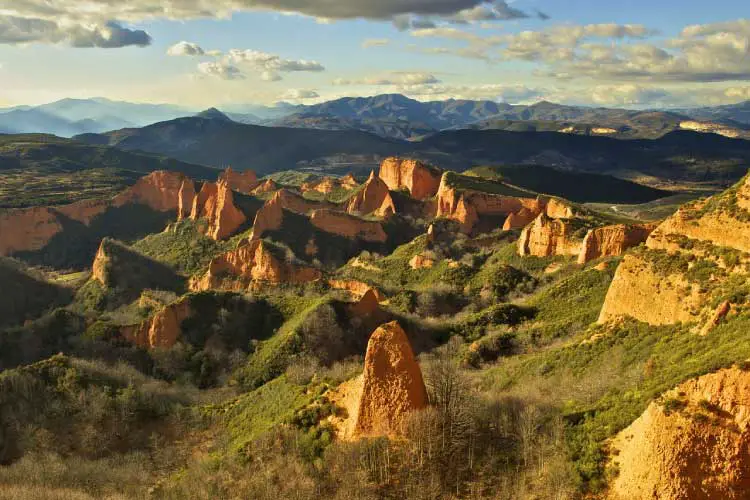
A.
x: 373, y: 198
x: 547, y: 237
x: 348, y: 226
x: 640, y: 292
x: 160, y: 331
x: 253, y: 261
x: 392, y: 383
x: 185, y: 199
x: 268, y: 218
x: 327, y: 185
x: 99, y: 267
x: 269, y: 186
x: 366, y: 305
x: 27, y: 229
x: 559, y: 209
x: 698, y: 236
x: 357, y: 288
x: 466, y: 206
x: 84, y: 211
x: 421, y: 262
x: 215, y: 204
x: 243, y: 182
x: 520, y: 219
x: 421, y: 180
x: 158, y: 190
x: 298, y: 204
x: 614, y: 240
x: 699, y: 451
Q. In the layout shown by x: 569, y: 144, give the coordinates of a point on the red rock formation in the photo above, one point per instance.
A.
x: 421, y: 262
x: 269, y: 186
x: 356, y: 288
x: 348, y: 226
x: 159, y: 190
x: 466, y: 206
x: 84, y: 211
x: 520, y: 219
x: 546, y: 237
x: 253, y: 261
x: 392, y: 383
x: 215, y: 204
x: 373, y: 198
x: 697, y: 450
x: 366, y: 305
x: 327, y: 185
x: 298, y: 204
x: 27, y: 229
x: 99, y: 267
x: 185, y: 199
x: 268, y: 218
x: 162, y: 330
x: 614, y: 240
x: 560, y: 209
x: 421, y: 180
x: 244, y: 182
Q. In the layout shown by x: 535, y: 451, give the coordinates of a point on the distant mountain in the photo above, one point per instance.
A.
x: 384, y: 127
x: 374, y: 113
x: 213, y: 114
x: 69, y: 117
x: 219, y: 143
x: 739, y: 113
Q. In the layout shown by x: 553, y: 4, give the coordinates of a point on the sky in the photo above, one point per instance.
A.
x: 233, y: 53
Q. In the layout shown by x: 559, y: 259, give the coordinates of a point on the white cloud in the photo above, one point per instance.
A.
x: 18, y: 30
x: 375, y: 42
x: 264, y: 61
x: 299, y: 94
x: 185, y: 49
x: 220, y: 70
x: 395, y: 78
x: 270, y: 76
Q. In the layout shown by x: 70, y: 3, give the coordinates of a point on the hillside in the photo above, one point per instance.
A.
x: 218, y: 143
x: 37, y: 170
x: 262, y: 329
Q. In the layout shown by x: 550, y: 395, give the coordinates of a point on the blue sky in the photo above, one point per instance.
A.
x: 635, y: 54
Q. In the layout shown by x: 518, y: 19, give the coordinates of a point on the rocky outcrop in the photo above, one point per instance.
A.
x: 30, y: 229
x: 160, y: 331
x: 215, y: 204
x: 520, y: 219
x: 185, y: 199
x: 694, y: 443
x: 27, y: 229
x: 268, y: 218
x: 357, y: 288
x: 466, y: 206
x: 269, y: 186
x: 559, y: 209
x: 420, y: 261
x: 656, y: 284
x: 610, y: 241
x: 252, y: 262
x: 374, y: 198
x: 99, y: 267
x: 348, y: 226
x: 159, y: 190
x: 298, y: 204
x: 367, y: 305
x: 392, y: 384
x: 421, y: 180
x: 547, y: 237
x: 84, y: 211
x: 243, y: 182
x: 327, y: 185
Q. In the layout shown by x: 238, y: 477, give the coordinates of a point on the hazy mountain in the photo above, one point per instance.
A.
x: 213, y: 114
x: 739, y: 113
x: 69, y: 117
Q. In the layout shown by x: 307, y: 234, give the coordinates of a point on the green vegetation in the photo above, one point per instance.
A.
x: 182, y: 247
x: 39, y: 170
x: 488, y: 185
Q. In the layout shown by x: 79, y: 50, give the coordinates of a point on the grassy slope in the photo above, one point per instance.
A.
x: 38, y: 170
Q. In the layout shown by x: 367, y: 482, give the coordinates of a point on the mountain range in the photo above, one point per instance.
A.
x: 390, y: 115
